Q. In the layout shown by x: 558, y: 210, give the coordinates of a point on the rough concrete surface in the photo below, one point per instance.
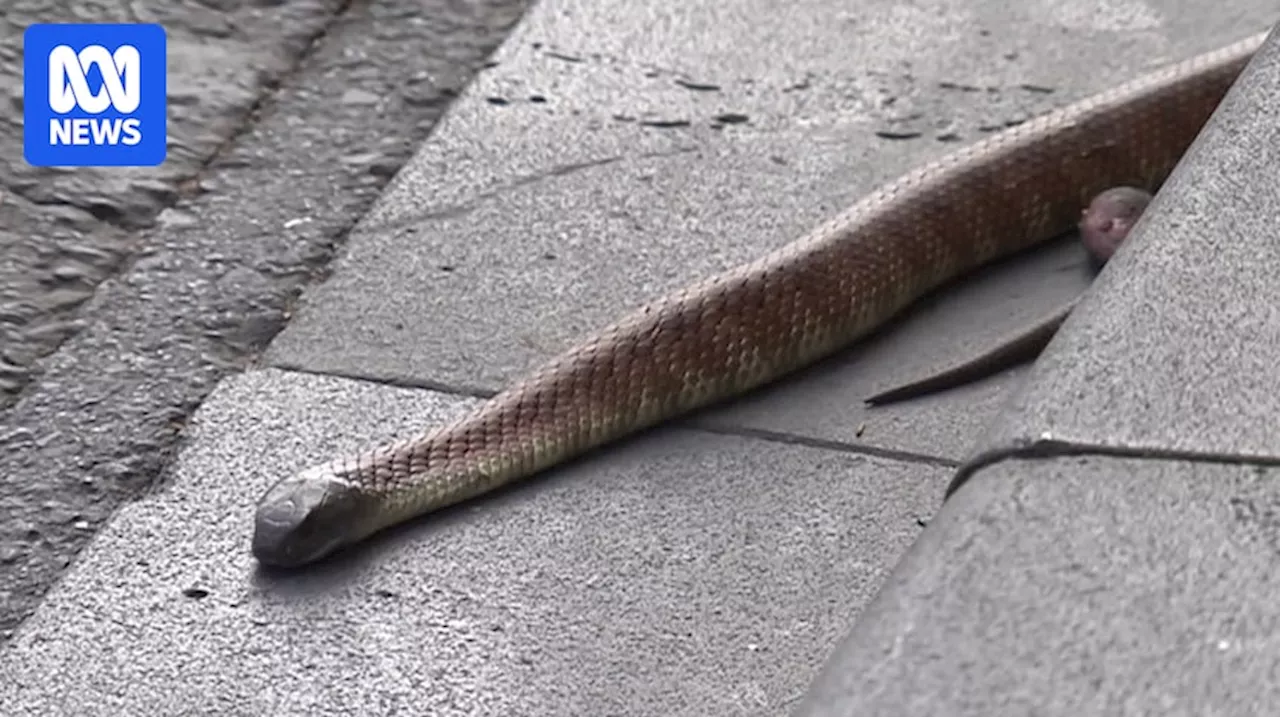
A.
x: 1079, y: 586
x: 617, y: 586
x: 215, y: 277
x: 616, y: 150
x: 1175, y: 352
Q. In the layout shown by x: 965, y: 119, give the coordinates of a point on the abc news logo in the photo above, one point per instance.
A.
x: 94, y: 94
x: 69, y: 89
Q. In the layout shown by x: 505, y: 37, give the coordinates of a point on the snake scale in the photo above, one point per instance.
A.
x: 763, y: 320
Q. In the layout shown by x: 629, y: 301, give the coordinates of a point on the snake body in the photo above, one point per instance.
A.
x: 761, y: 321
x: 1104, y: 225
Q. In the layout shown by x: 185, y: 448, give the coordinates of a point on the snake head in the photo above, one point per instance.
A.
x: 305, y: 517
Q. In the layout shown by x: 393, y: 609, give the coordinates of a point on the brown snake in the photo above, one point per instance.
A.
x: 761, y: 321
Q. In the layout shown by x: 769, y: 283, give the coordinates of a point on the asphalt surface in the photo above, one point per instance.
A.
x: 67, y: 230
x: 613, y: 151
x: 280, y: 140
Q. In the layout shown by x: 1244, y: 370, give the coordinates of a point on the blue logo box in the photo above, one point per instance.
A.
x: 94, y: 95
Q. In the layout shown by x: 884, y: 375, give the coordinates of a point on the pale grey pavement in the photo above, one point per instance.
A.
x: 616, y: 150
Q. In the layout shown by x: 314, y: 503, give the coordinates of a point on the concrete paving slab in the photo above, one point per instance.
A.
x: 1077, y: 586
x: 1174, y: 351
x: 684, y: 574
x: 594, y: 168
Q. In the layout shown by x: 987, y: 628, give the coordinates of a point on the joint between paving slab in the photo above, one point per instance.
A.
x: 1048, y: 448
x: 759, y: 434
x: 830, y: 445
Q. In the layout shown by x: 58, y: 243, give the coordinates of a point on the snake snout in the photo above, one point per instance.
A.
x: 301, y: 519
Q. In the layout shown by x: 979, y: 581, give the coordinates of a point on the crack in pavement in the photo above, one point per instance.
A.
x: 463, y: 208
x: 460, y: 390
